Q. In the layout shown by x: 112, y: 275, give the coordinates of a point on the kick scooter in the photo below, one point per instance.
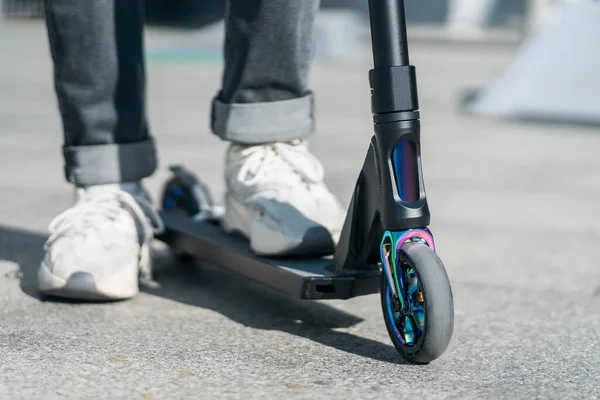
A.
x: 385, y: 245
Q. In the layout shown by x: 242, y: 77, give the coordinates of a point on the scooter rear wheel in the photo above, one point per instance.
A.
x: 178, y: 197
x: 421, y: 323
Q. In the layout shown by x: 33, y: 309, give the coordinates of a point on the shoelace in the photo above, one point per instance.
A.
x: 260, y: 160
x: 97, y: 209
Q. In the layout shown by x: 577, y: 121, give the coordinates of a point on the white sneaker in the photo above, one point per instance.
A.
x: 98, y: 247
x: 277, y: 199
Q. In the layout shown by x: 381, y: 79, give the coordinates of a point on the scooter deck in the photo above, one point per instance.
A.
x: 297, y: 277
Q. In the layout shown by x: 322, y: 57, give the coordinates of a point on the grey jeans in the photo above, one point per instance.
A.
x: 98, y: 51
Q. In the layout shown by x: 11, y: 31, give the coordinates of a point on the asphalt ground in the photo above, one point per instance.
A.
x: 515, y: 214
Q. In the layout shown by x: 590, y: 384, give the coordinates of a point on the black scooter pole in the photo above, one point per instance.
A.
x: 390, y: 193
x: 393, y: 80
x: 395, y: 106
x: 388, y: 33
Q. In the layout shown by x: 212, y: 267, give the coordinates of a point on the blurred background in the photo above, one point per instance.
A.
x: 193, y: 13
x: 510, y: 106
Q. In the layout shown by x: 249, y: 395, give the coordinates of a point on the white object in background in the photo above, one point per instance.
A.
x: 554, y: 75
x: 541, y: 10
x: 467, y: 18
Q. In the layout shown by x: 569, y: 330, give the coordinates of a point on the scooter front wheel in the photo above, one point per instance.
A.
x: 418, y: 309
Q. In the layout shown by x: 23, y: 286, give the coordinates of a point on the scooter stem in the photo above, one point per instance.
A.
x: 388, y: 33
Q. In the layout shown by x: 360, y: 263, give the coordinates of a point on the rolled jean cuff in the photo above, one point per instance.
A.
x: 110, y: 163
x: 253, y: 123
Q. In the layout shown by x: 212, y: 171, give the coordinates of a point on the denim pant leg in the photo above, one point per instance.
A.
x: 268, y: 52
x: 99, y: 76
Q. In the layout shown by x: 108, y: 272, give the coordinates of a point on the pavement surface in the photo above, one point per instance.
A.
x: 515, y: 213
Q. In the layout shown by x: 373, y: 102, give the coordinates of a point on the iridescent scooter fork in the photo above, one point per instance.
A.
x: 397, y: 240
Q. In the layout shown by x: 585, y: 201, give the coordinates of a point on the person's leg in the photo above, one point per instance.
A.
x: 97, y: 49
x: 275, y: 191
x: 97, y: 247
x: 268, y: 51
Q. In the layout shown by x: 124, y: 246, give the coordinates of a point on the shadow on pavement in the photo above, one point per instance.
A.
x: 258, y: 307
x: 244, y: 302
x: 24, y: 248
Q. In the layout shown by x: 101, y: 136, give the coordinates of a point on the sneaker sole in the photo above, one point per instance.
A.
x: 81, y: 286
